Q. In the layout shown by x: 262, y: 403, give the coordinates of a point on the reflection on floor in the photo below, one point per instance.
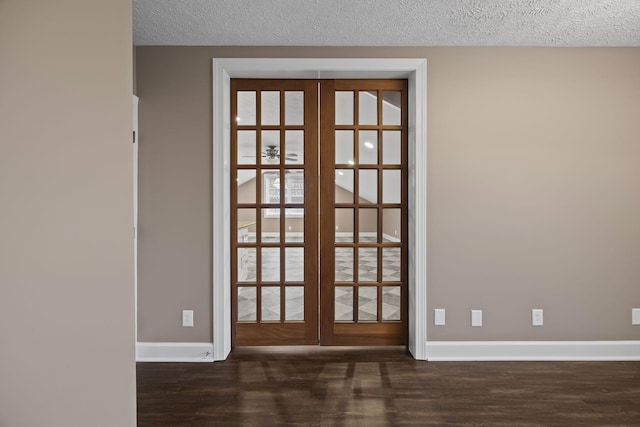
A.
x: 293, y: 270
x: 374, y: 386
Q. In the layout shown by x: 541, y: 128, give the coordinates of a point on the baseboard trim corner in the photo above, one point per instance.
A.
x: 174, y: 352
x: 467, y: 351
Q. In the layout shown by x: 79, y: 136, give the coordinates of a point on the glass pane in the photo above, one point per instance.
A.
x: 344, y: 265
x: 246, y: 264
x: 391, y: 302
x: 294, y: 264
x: 270, y: 303
x: 246, y: 147
x: 293, y: 108
x: 344, y: 147
x: 368, y: 225
x: 294, y: 147
x: 270, y: 225
x: 344, y: 225
x: 368, y: 191
x: 368, y: 147
x: 246, y: 108
x: 367, y: 303
x: 294, y: 225
x: 270, y: 108
x: 391, y: 186
x: 270, y: 152
x: 343, y: 303
x: 391, y: 108
x: 344, y: 185
x: 246, y: 225
x: 391, y: 265
x: 247, y: 304
x: 391, y: 147
x: 294, y: 186
x: 344, y: 108
x: 271, y: 189
x: 368, y: 108
x: 246, y: 180
x: 294, y: 304
x: 391, y: 225
x: 270, y: 264
x: 368, y: 264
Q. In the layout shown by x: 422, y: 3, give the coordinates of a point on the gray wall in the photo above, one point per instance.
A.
x: 533, y: 177
x: 66, y: 265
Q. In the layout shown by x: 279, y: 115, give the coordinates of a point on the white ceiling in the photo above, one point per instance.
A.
x: 387, y: 22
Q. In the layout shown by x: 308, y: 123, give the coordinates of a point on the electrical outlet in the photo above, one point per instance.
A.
x: 187, y: 318
x: 536, y: 317
x: 438, y: 316
x: 476, y: 317
x: 635, y: 316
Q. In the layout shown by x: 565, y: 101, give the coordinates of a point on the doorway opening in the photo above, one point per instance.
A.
x: 414, y: 70
x: 319, y: 216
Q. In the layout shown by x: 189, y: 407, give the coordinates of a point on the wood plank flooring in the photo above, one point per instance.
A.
x: 329, y: 386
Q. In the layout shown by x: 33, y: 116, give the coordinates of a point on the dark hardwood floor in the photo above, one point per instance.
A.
x: 326, y: 386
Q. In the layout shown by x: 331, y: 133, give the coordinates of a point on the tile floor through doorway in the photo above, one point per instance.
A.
x: 344, y: 273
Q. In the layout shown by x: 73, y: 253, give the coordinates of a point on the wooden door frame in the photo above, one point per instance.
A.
x: 415, y: 71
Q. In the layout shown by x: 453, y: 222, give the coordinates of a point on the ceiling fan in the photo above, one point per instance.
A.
x: 272, y: 153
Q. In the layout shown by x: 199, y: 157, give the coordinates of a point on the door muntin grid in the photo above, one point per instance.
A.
x: 368, y: 153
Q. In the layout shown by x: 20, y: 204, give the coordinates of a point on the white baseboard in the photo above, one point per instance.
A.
x: 390, y: 238
x: 174, y: 352
x: 533, y: 350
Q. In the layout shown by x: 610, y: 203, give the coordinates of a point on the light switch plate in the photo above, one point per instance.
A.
x: 187, y: 318
x: 635, y: 316
x: 476, y: 317
x: 439, y: 317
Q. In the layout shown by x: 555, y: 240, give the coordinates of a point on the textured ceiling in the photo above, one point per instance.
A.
x: 387, y: 22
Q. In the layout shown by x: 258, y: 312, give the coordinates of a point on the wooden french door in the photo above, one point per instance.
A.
x: 274, y: 205
x: 319, y: 212
x: 363, y: 181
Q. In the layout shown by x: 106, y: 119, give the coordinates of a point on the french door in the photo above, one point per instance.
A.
x: 319, y: 212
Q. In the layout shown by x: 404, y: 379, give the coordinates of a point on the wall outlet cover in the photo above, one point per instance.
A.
x: 439, y: 317
x: 476, y: 317
x: 187, y: 318
x: 635, y: 316
x: 537, y: 317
